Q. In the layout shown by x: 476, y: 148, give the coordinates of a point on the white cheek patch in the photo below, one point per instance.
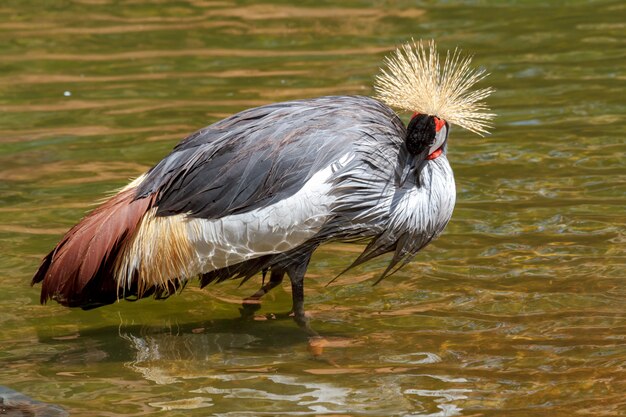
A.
x: 440, y: 138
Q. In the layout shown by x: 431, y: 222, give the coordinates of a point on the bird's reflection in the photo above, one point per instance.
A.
x: 163, y: 354
x: 229, y: 365
x: 163, y: 358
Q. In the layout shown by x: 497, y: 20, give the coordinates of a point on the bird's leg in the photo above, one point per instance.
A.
x: 253, y: 303
x: 297, y: 295
x: 296, y: 275
x: 276, y: 277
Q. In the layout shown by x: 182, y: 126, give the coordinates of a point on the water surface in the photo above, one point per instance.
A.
x: 518, y: 309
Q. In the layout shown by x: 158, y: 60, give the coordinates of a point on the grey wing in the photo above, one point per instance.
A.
x: 254, y: 158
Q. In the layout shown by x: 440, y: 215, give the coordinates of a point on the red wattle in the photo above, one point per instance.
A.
x: 435, y: 154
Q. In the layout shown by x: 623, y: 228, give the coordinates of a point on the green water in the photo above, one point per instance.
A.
x: 519, y: 309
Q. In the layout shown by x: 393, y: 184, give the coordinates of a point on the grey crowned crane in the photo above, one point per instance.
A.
x: 260, y: 190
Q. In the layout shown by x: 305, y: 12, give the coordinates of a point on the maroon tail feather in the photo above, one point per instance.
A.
x: 79, y: 271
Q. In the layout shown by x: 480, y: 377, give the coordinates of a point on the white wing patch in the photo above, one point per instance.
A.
x: 177, y: 248
x: 273, y: 229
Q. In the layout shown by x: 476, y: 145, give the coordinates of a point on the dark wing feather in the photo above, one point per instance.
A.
x: 254, y: 158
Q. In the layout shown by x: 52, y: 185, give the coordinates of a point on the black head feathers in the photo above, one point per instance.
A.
x: 420, y: 133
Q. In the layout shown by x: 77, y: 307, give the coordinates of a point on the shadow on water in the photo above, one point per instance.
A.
x: 193, y: 341
x: 234, y: 365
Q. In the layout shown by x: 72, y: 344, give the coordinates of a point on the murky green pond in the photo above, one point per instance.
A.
x: 519, y: 309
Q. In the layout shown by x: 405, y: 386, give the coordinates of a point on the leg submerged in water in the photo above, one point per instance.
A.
x: 296, y: 275
x: 295, y: 268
